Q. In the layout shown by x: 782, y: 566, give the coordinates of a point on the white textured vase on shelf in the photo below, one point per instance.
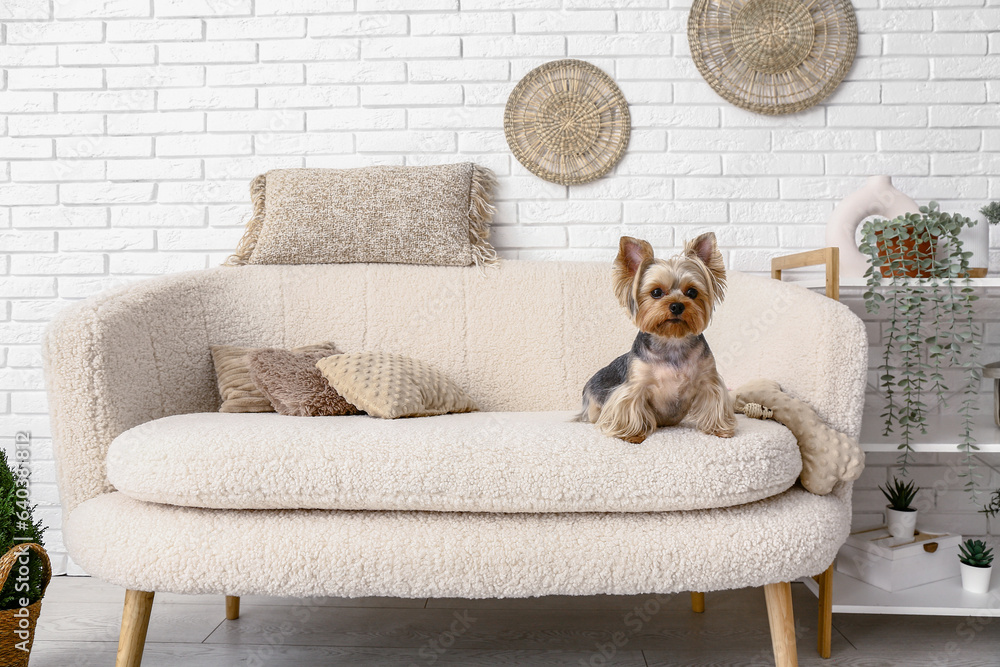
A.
x: 876, y: 197
x: 902, y: 525
x: 976, y: 239
x: 976, y: 579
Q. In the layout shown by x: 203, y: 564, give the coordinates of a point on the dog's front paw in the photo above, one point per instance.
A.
x: 634, y: 439
x: 723, y: 433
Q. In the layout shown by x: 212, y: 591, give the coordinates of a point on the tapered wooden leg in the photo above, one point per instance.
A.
x: 697, y: 602
x: 135, y: 621
x: 825, y: 633
x: 779, y: 615
x: 232, y: 607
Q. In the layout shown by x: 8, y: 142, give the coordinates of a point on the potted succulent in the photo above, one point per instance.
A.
x: 977, y: 566
x: 920, y: 273
x: 24, y: 567
x: 976, y: 239
x: 902, y: 518
x: 991, y: 212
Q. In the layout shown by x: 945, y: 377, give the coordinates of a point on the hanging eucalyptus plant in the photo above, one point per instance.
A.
x: 920, y: 273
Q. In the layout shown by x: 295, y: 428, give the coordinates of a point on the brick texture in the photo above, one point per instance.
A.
x: 130, y: 129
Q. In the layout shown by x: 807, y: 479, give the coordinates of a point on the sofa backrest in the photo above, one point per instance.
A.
x: 528, y: 335
x: 524, y: 336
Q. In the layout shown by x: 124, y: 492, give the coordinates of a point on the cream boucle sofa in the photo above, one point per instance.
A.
x: 163, y: 493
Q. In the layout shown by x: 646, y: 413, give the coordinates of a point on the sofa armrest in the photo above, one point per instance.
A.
x: 814, y: 347
x: 120, y: 359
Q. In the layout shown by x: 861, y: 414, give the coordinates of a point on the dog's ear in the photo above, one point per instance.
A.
x: 632, y: 255
x: 705, y: 249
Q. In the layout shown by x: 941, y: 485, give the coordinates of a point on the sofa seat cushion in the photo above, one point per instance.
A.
x: 472, y: 462
x: 453, y: 554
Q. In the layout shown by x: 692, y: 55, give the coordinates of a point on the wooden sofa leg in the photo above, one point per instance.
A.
x: 697, y: 602
x: 779, y: 615
x: 232, y: 607
x: 135, y: 621
x: 825, y: 632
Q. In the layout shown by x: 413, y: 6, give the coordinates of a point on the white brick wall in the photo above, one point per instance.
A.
x: 130, y: 128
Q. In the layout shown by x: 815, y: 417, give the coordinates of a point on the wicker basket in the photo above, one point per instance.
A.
x: 10, y: 624
x: 567, y: 122
x: 773, y: 56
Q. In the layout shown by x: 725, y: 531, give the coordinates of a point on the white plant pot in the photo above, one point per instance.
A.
x: 976, y: 579
x: 901, y: 524
x: 976, y: 239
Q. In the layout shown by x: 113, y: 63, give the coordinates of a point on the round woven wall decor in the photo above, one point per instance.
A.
x: 567, y: 122
x: 773, y: 56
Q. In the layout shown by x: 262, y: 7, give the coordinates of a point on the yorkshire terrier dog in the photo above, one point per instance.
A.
x: 670, y: 372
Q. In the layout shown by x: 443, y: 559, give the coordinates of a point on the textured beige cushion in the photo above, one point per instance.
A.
x: 232, y: 371
x: 470, y: 462
x: 391, y: 385
x: 407, y: 215
x: 448, y: 554
x: 293, y: 384
x: 828, y: 456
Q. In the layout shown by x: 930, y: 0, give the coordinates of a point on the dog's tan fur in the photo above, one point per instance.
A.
x: 670, y: 373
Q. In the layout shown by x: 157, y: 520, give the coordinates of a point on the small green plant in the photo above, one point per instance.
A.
x: 975, y: 553
x: 992, y: 507
x: 992, y: 212
x: 900, y: 495
x: 18, y: 526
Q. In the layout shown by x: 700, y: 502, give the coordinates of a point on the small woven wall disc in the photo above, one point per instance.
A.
x: 773, y: 56
x: 567, y: 122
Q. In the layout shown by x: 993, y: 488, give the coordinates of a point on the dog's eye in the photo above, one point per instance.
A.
x: 656, y: 293
x: 691, y: 293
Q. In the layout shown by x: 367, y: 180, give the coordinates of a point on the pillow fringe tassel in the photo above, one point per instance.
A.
x: 249, y: 241
x: 481, y: 212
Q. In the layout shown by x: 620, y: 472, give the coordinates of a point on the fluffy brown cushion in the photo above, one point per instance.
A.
x: 408, y: 215
x: 233, y: 375
x: 391, y: 385
x: 293, y: 384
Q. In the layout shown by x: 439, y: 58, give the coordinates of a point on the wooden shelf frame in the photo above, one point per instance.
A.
x: 828, y: 257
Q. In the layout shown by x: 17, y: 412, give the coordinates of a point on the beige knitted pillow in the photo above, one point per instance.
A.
x: 407, y: 215
x: 232, y: 371
x: 391, y: 385
x: 828, y: 456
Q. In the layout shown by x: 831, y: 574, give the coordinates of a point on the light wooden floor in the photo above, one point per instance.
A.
x: 80, y: 617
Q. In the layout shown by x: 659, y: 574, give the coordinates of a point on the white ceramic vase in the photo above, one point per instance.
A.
x: 901, y: 524
x: 876, y: 197
x: 976, y: 579
x: 976, y: 239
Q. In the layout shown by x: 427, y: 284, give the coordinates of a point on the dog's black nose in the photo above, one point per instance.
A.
x: 677, y: 308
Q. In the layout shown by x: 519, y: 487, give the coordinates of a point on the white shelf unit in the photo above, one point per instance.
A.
x: 942, y: 434
x: 939, y: 598
x: 860, y: 284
